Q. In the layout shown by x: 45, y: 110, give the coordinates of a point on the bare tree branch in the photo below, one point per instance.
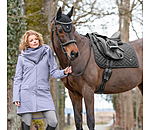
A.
x: 134, y: 30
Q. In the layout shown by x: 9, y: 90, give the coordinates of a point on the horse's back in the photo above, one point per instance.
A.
x: 138, y: 42
x: 138, y: 47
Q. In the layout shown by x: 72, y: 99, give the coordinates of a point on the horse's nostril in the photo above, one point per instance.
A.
x: 73, y: 54
x: 77, y: 54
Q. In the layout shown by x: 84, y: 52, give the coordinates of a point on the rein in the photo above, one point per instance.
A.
x: 67, y: 43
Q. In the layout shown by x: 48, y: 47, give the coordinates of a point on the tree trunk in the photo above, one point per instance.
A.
x: 126, y: 105
x: 14, y: 121
x: 128, y: 111
x: 141, y: 112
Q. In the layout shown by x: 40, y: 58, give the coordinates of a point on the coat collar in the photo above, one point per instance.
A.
x: 35, y: 55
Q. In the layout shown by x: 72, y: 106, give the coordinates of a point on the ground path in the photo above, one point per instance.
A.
x: 97, y: 127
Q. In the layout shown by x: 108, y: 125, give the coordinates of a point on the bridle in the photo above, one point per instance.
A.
x: 67, y: 43
x: 61, y: 43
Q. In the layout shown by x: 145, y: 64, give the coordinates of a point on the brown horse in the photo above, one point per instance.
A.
x: 74, y: 49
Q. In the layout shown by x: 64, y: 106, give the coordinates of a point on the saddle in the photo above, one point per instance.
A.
x: 111, y: 53
x: 109, y: 46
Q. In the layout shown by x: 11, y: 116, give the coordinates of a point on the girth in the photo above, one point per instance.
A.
x: 106, y: 76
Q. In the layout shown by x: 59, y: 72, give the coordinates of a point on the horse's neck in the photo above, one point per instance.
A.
x: 81, y: 41
x: 84, y: 51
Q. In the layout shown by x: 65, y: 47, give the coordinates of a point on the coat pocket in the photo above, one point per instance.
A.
x: 24, y: 93
x: 43, y: 92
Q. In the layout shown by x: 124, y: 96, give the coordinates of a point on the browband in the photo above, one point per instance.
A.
x: 63, y: 22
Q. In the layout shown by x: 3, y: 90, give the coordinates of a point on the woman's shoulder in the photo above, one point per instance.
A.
x: 47, y: 47
x: 20, y: 59
x: 20, y: 56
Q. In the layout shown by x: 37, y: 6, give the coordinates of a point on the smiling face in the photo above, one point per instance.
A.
x: 33, y: 41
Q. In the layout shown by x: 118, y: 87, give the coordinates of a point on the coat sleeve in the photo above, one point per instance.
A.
x: 54, y: 71
x: 18, y: 80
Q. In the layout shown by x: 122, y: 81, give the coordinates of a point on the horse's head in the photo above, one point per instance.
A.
x: 63, y: 34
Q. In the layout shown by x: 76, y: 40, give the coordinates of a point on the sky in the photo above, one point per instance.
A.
x: 112, y: 27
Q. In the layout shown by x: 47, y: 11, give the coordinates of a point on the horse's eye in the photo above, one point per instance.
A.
x: 60, y: 31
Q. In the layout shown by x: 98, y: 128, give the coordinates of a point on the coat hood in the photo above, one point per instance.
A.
x: 35, y: 54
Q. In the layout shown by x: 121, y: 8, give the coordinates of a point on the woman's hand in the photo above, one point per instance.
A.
x: 67, y: 70
x: 17, y: 103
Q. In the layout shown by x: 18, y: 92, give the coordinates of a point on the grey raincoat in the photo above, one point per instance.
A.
x: 31, y: 82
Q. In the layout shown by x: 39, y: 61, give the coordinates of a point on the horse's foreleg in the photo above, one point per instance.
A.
x: 76, y: 99
x: 88, y: 94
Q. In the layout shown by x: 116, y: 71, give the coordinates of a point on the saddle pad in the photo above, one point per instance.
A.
x: 129, y: 61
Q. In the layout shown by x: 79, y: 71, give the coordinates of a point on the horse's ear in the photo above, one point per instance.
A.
x: 58, y: 13
x: 70, y: 13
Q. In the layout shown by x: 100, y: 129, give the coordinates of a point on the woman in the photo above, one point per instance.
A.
x: 31, y: 90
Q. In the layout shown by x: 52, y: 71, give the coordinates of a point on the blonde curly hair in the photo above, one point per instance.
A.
x: 24, y: 41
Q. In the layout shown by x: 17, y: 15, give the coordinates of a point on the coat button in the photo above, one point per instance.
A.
x: 39, y: 87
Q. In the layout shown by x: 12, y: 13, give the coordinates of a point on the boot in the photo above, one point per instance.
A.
x: 25, y: 127
x: 50, y: 128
